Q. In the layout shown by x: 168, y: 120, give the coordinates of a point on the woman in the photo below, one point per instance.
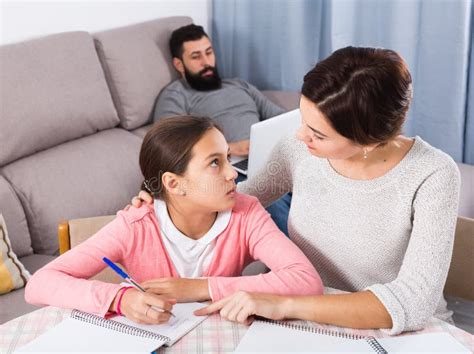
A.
x: 373, y: 210
x: 191, y: 245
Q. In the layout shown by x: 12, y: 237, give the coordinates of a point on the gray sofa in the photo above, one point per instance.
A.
x: 74, y: 108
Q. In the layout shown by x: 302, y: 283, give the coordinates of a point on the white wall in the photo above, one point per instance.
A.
x: 22, y: 20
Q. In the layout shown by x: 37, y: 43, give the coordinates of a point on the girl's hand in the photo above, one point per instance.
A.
x: 242, y: 306
x: 181, y: 289
x: 136, y: 306
x: 143, y: 197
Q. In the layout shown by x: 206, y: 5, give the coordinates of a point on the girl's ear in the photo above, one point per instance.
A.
x: 172, y: 184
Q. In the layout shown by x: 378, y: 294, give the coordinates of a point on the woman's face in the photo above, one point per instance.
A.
x: 209, y: 180
x: 320, y: 137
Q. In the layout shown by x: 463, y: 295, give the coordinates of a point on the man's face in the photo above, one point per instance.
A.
x: 198, y: 65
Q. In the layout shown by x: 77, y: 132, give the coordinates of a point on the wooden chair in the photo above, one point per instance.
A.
x: 73, y: 232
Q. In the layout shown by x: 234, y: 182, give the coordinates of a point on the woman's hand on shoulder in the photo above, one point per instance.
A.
x: 242, y: 306
x: 137, y: 201
x: 137, y: 306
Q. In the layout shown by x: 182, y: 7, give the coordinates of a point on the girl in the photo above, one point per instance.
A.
x: 190, y: 245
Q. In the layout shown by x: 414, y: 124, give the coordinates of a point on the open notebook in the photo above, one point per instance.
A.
x: 84, y: 332
x: 277, y: 337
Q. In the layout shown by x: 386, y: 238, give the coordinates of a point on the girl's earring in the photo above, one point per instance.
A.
x: 366, y: 153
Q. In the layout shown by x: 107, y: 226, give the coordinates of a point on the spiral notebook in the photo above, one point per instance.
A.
x: 266, y: 336
x: 85, y: 332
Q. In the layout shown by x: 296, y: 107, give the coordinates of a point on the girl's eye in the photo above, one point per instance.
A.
x: 228, y: 157
x: 215, y: 163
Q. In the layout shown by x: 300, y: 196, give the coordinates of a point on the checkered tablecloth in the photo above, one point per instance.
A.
x: 214, y: 335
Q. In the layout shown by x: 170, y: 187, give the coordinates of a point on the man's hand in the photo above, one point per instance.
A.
x: 181, y: 289
x: 242, y: 306
x: 240, y: 148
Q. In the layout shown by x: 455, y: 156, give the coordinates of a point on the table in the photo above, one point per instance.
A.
x: 214, y: 335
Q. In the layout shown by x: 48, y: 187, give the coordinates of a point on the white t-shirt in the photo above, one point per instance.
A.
x: 190, y: 257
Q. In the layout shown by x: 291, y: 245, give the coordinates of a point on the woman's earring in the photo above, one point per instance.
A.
x: 366, y: 153
x: 183, y: 193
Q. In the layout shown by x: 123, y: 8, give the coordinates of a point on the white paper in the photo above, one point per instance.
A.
x: 263, y: 337
x: 423, y: 343
x: 71, y: 336
x: 177, y: 326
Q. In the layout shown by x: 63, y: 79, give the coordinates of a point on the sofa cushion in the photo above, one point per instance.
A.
x: 141, y: 132
x: 94, y: 175
x: 13, y: 274
x: 137, y: 65
x: 52, y: 90
x: 13, y: 304
x: 12, y: 211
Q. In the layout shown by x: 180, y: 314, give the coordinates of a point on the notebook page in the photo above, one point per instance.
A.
x: 423, y: 343
x: 73, y: 336
x: 263, y: 337
x: 177, y: 326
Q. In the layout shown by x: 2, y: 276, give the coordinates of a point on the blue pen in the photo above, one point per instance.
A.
x: 129, y: 280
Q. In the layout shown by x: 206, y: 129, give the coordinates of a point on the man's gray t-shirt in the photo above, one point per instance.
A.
x: 234, y: 107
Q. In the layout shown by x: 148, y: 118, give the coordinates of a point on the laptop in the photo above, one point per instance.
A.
x: 263, y: 137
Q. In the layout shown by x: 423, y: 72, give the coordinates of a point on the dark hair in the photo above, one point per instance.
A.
x: 364, y: 93
x: 167, y: 147
x: 184, y: 34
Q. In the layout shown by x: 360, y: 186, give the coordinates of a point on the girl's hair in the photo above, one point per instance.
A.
x: 363, y: 92
x: 167, y: 147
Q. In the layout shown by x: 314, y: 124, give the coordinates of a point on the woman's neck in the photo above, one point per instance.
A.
x: 378, y: 162
x: 192, y: 223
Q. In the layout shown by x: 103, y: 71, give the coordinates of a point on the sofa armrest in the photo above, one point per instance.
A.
x: 460, y: 282
x: 73, y: 232
x: 287, y: 100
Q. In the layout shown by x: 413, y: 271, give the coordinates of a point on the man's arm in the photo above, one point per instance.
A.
x: 266, y: 108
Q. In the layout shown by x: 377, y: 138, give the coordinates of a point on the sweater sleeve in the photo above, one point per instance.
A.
x: 65, y: 282
x: 275, y: 179
x: 291, y: 273
x: 411, y: 299
x: 266, y: 108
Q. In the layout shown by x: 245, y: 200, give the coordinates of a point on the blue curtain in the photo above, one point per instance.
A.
x: 469, y: 129
x: 273, y: 43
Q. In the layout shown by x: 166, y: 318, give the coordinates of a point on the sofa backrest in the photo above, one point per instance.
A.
x: 15, y: 219
x: 137, y: 65
x: 53, y: 90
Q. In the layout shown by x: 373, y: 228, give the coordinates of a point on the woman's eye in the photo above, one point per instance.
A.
x: 229, y: 158
x: 318, y: 137
x: 215, y: 163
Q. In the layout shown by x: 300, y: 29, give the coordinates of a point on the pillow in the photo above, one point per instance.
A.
x: 13, y: 275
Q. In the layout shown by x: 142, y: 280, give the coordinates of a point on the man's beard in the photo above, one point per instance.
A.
x: 203, y: 83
